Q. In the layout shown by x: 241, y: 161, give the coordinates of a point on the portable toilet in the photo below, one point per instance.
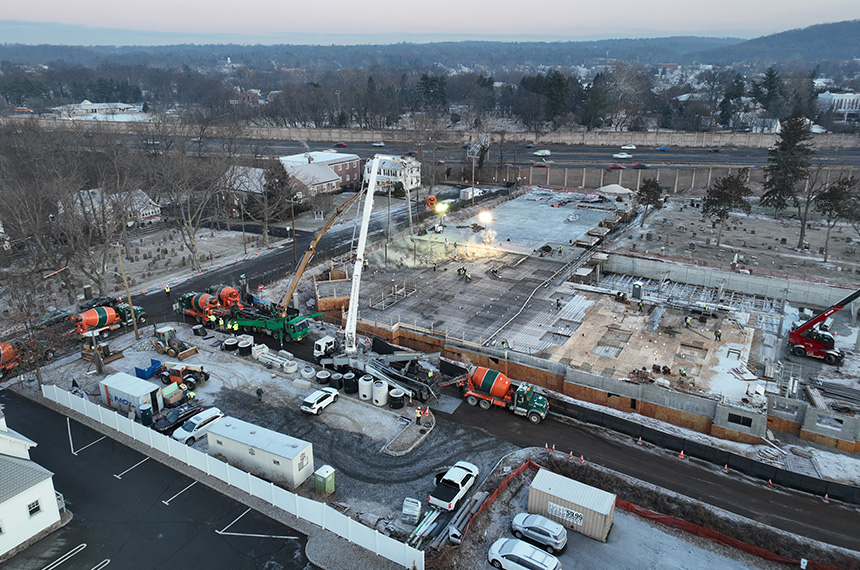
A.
x: 637, y: 290
x: 324, y: 480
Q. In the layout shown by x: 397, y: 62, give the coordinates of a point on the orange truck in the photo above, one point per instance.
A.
x: 486, y: 387
x: 106, y: 319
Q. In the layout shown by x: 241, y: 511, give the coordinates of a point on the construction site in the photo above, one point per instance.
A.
x: 557, y: 287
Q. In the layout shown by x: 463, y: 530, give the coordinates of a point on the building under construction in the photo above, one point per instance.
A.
x: 531, y: 290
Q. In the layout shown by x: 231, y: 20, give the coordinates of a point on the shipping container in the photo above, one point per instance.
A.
x: 124, y: 393
x: 579, y: 507
x: 273, y: 456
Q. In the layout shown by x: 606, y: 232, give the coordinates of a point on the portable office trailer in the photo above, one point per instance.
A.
x: 124, y: 392
x: 575, y: 505
x: 274, y: 456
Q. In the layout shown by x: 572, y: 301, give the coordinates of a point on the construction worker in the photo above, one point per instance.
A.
x: 259, y: 394
x: 418, y: 415
x: 365, y: 264
x: 167, y: 290
x: 687, y: 321
x: 212, y: 321
x: 558, y: 304
x: 682, y: 372
x: 220, y: 322
x: 718, y: 335
x: 434, y: 266
x: 560, y: 251
x: 235, y: 327
x: 640, y: 305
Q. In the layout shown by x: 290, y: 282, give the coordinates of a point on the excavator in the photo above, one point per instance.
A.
x: 810, y: 340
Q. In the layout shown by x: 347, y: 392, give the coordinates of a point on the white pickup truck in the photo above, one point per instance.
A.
x: 453, y: 485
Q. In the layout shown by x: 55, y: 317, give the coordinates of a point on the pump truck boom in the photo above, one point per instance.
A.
x: 810, y: 340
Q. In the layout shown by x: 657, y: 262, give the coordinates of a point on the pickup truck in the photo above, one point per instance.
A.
x: 453, y: 485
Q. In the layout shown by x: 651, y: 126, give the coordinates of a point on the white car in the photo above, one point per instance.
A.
x: 197, y: 426
x: 629, y: 147
x: 513, y: 554
x: 379, y: 143
x: 622, y: 155
x: 542, y: 152
x: 319, y: 400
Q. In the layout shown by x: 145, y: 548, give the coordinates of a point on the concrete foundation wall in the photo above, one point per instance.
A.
x: 758, y: 422
x: 792, y: 291
x: 830, y: 426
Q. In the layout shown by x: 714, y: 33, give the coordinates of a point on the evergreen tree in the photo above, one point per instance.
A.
x: 726, y: 195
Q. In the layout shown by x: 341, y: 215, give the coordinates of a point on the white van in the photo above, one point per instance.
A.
x: 197, y: 426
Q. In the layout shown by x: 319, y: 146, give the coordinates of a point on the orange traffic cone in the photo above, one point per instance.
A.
x: 826, y: 498
x: 546, y: 447
x: 570, y: 455
x: 640, y: 441
x: 682, y: 454
x: 553, y: 448
x: 769, y: 483
x: 726, y: 468
x: 581, y: 459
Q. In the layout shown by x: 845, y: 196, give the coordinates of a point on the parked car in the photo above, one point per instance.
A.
x: 538, y: 529
x: 53, y: 317
x: 100, y: 302
x: 197, y: 426
x: 614, y: 167
x: 453, y: 485
x: 513, y: 554
x: 639, y: 166
x: 319, y: 400
x: 167, y: 421
x: 629, y: 147
x: 622, y: 155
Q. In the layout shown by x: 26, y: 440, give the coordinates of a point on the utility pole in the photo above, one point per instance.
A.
x: 127, y: 292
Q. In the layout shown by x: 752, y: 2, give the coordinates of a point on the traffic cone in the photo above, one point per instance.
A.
x: 553, y: 448
x: 770, y: 483
x: 682, y: 454
x: 581, y: 459
x: 826, y: 498
x: 570, y: 455
x: 726, y: 468
x: 639, y: 441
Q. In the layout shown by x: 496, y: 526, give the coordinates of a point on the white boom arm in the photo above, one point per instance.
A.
x: 350, y: 339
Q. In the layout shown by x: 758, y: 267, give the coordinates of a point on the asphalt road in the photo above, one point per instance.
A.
x: 794, y: 512
x: 124, y: 520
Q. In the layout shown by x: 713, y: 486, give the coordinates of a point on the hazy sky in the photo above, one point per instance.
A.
x: 274, y: 20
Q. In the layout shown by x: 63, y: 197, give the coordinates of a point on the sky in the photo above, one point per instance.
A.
x: 390, y: 21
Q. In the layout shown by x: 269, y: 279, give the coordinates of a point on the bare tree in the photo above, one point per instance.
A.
x: 835, y: 203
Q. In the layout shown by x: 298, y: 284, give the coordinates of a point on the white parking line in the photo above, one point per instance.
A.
x: 167, y: 502
x: 65, y: 556
x: 71, y: 443
x: 101, y: 564
x: 145, y: 459
x: 225, y: 533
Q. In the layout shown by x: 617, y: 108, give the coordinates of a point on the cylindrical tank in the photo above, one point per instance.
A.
x: 231, y: 344
x: 203, y: 302
x: 198, y: 330
x: 291, y: 366
x: 323, y: 377
x: 350, y: 383
x: 245, y: 347
x: 308, y: 372
x: 380, y: 393
x: 146, y: 415
x: 336, y: 380
x: 95, y: 318
x: 491, y: 382
x: 226, y: 295
x: 365, y: 387
x: 396, y: 399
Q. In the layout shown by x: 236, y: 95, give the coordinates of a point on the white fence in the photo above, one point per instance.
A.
x: 312, y: 511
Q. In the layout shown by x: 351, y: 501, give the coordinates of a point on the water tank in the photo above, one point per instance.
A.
x: 365, y: 387
x: 396, y: 399
x: 380, y: 393
x: 245, y: 347
x: 336, y: 380
x: 146, y: 414
x: 350, y: 383
x: 323, y: 377
x: 231, y: 344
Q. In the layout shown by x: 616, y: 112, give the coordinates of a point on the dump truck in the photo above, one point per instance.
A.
x: 189, y: 374
x: 485, y: 388
x: 103, y: 320
x: 165, y: 341
x: 11, y: 354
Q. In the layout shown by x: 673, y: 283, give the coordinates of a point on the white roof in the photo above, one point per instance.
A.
x: 128, y: 384
x: 258, y: 437
x: 614, y: 189
x: 319, y: 157
x: 588, y: 497
x: 313, y: 173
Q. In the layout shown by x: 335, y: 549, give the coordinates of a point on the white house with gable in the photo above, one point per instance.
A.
x: 405, y: 170
x: 29, y: 506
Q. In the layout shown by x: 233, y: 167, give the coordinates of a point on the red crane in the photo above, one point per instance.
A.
x: 809, y: 340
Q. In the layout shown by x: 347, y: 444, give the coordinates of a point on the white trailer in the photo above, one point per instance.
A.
x: 124, y: 392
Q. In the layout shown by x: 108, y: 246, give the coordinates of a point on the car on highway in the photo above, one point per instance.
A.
x: 440, y: 162
x: 513, y: 554
x: 629, y: 147
x: 542, y: 152
x: 715, y: 149
x: 378, y: 143
x: 319, y: 400
x: 614, y: 167
x: 340, y: 145
x: 538, y: 529
x: 197, y: 426
x: 540, y: 165
x: 100, y: 302
x: 622, y: 155
x: 639, y: 166
x: 662, y: 148
x: 167, y: 421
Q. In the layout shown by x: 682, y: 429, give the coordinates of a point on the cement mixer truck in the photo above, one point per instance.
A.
x: 485, y: 388
x: 106, y: 319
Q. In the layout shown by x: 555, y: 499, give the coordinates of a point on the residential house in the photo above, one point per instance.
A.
x: 136, y: 206
x: 392, y: 170
x: 347, y: 167
x: 29, y: 505
x: 846, y: 105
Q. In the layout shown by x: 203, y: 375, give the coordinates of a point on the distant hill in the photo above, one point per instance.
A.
x: 822, y: 42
